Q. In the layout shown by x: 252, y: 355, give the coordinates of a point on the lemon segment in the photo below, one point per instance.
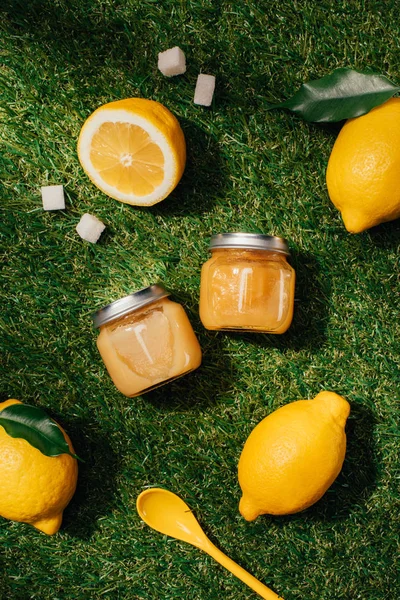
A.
x: 133, y: 150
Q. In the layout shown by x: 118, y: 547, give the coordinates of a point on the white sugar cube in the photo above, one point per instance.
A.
x: 90, y: 228
x: 172, y: 62
x: 53, y: 197
x: 204, y: 91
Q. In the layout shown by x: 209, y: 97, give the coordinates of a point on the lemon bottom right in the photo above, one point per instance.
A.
x: 293, y: 456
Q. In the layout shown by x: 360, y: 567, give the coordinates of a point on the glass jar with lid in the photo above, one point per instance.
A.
x: 247, y: 284
x: 146, y: 340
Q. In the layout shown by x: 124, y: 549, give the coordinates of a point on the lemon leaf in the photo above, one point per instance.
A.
x: 343, y: 94
x: 36, y: 427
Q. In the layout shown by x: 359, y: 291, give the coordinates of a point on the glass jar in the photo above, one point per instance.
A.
x: 146, y: 340
x: 247, y: 284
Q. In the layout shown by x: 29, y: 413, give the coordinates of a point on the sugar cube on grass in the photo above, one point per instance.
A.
x: 53, y: 197
x: 204, y: 91
x: 172, y: 62
x: 90, y: 228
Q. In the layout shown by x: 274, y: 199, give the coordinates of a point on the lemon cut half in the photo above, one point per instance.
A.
x: 133, y: 150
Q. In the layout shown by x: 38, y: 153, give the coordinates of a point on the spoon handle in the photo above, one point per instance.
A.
x: 241, y: 573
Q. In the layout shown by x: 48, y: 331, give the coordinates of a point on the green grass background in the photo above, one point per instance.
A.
x: 247, y: 170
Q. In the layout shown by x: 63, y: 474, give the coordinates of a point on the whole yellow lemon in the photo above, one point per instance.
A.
x: 363, y: 169
x: 34, y: 488
x: 292, y: 456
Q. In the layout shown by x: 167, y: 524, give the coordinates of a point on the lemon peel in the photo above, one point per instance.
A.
x: 293, y: 456
x: 363, y: 168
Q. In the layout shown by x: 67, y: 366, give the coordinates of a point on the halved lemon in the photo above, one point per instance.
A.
x: 133, y: 150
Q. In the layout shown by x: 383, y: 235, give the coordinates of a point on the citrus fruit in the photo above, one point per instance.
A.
x: 292, y: 456
x: 34, y: 488
x: 133, y: 150
x: 362, y: 174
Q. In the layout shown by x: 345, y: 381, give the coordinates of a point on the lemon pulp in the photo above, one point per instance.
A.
x: 126, y: 158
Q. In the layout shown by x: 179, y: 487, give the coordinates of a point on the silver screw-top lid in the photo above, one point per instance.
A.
x: 256, y: 241
x: 125, y: 305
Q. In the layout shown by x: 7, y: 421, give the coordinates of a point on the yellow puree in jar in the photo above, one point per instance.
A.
x: 149, y: 346
x: 247, y: 290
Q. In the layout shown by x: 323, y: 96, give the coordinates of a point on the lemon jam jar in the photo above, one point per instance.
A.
x: 146, y: 340
x: 247, y: 284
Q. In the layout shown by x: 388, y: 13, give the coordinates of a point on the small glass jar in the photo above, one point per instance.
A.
x: 247, y: 284
x: 146, y: 340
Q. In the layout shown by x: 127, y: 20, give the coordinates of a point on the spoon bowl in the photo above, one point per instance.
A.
x: 168, y: 514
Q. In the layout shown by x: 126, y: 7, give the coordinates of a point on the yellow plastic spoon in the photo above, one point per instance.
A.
x: 167, y: 513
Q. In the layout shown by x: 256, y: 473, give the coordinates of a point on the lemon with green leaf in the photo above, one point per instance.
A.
x: 38, y: 467
x: 363, y: 168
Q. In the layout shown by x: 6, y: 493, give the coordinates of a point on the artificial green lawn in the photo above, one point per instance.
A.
x: 247, y: 170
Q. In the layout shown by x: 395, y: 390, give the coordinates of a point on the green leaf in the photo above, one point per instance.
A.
x: 36, y: 427
x: 343, y: 94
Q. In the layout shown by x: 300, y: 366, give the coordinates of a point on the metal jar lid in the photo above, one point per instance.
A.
x: 256, y: 241
x: 125, y: 305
